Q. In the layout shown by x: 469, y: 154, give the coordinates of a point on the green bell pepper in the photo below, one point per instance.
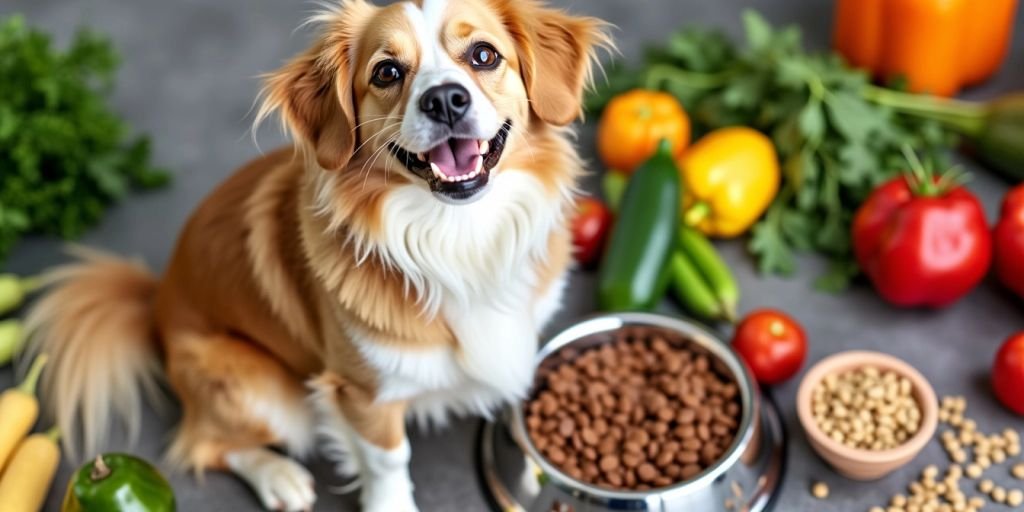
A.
x: 118, y: 482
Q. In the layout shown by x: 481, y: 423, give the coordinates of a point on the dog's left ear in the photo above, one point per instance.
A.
x: 556, y: 52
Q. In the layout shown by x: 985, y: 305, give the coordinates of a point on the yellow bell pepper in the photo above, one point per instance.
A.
x: 729, y: 178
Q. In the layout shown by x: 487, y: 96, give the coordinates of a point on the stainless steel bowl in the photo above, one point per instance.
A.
x: 745, y: 478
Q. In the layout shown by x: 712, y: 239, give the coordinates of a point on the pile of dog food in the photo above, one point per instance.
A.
x: 638, y: 412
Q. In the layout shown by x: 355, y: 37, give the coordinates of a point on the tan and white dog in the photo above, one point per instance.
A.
x: 398, y: 262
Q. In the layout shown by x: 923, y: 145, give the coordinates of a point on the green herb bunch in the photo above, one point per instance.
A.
x: 835, y: 145
x: 64, y: 156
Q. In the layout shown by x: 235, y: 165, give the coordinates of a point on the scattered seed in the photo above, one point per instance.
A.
x: 820, y: 490
x: 1015, y: 498
x: 998, y: 495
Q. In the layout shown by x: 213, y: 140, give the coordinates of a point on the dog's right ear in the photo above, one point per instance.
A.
x: 313, y: 92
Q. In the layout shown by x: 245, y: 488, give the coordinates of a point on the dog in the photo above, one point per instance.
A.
x: 397, y: 262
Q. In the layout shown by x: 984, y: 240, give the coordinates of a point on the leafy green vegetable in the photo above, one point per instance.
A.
x: 64, y: 156
x: 835, y: 144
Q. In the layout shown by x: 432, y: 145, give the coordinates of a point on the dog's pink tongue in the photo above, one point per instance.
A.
x: 456, y: 157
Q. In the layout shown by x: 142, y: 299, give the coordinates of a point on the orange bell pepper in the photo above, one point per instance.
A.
x: 939, y: 45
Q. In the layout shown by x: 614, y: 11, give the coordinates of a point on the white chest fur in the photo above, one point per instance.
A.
x: 476, y: 266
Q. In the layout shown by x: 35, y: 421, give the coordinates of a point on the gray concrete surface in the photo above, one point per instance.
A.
x: 189, y: 79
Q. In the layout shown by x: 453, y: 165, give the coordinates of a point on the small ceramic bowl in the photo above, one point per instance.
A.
x: 855, y: 463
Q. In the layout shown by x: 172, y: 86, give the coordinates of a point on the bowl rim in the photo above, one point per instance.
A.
x: 608, y: 322
x: 922, y: 389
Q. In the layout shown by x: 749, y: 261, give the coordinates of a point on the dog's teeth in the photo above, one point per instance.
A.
x: 437, y: 171
x: 479, y: 165
x: 485, y: 146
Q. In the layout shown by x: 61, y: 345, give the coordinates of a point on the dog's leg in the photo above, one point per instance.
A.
x: 236, y: 402
x: 373, y: 435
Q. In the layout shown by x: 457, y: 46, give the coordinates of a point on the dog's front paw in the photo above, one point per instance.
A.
x: 393, y: 495
x: 280, y: 482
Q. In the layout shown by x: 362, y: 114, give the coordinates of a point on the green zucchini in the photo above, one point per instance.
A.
x: 633, y: 275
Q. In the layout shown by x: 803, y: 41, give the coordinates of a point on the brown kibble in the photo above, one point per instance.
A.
x: 686, y: 416
x: 632, y: 460
x: 703, y: 432
x: 687, y: 457
x: 664, y: 459
x: 614, y: 479
x: 633, y: 447
x: 609, y: 463
x: 646, y: 472
x: 689, y: 471
x: 589, y: 437
x: 556, y: 455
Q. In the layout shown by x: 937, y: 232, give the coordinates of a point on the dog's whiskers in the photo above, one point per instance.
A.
x: 378, y: 134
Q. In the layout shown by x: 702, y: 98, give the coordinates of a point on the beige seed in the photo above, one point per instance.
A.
x: 986, y: 486
x: 898, y: 500
x: 973, y: 471
x: 999, y: 495
x: 1015, y: 498
x: 998, y: 456
x: 876, y: 509
x: 820, y: 490
x: 976, y: 502
x: 1018, y: 471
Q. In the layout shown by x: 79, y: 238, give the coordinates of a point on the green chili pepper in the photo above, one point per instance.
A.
x: 118, y: 482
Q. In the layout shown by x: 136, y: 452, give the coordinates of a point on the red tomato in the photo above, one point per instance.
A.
x: 1008, y: 238
x: 1008, y: 373
x: 773, y: 345
x: 922, y: 250
x: 589, y: 229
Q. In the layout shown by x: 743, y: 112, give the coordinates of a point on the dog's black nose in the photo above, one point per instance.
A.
x: 446, y: 103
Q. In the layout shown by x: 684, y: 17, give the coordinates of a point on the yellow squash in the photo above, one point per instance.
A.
x: 26, y: 481
x: 18, y: 411
x: 729, y: 178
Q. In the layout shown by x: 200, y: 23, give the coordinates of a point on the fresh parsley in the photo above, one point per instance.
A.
x: 64, y: 155
x: 834, y: 144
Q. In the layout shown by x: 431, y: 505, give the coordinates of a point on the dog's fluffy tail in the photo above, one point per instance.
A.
x: 96, y: 324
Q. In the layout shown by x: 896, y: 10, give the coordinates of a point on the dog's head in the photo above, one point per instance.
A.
x: 436, y: 90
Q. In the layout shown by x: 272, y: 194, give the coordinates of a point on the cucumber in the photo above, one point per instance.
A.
x: 633, y: 275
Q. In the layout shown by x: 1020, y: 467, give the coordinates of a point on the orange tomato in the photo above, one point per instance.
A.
x: 634, y: 122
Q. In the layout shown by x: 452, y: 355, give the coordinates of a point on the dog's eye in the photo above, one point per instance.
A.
x: 387, y: 73
x: 484, y: 56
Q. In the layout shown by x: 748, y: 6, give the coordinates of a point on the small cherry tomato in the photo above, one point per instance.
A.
x: 1008, y: 373
x: 772, y: 344
x: 590, y: 227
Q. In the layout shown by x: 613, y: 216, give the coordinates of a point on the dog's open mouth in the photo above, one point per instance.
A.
x: 457, y: 168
